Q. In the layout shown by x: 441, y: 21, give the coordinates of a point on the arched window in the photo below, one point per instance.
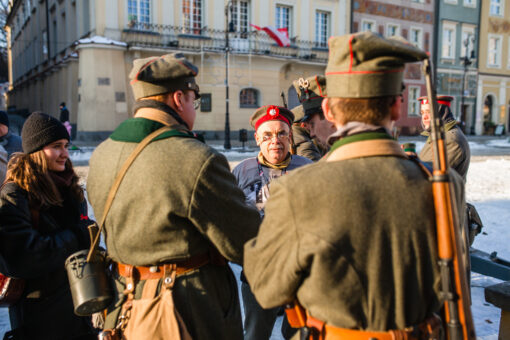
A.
x: 249, y: 98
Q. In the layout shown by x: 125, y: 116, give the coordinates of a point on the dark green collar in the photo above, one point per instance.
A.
x: 134, y: 130
x: 358, y: 138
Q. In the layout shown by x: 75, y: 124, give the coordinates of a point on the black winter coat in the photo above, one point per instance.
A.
x: 37, y: 255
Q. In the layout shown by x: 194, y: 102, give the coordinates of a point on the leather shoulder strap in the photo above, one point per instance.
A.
x: 367, y: 148
x: 120, y: 176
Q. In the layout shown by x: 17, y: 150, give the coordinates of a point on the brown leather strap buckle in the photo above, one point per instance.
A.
x: 170, y: 272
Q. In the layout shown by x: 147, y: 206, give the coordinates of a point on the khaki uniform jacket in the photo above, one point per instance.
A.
x: 354, y: 242
x: 304, y: 144
x: 457, y: 150
x: 177, y: 200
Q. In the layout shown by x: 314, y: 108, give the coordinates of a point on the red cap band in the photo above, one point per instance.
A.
x: 272, y: 113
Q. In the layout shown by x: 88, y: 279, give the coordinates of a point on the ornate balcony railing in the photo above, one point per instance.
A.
x: 210, y: 40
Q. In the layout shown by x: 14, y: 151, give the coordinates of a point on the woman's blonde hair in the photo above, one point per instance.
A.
x: 31, y: 173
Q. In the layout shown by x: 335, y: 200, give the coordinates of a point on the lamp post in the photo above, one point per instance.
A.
x: 465, y: 62
x: 227, y: 145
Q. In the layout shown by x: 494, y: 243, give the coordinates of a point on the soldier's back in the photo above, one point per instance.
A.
x: 362, y: 243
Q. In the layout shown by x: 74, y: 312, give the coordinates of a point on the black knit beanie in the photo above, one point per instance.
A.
x: 40, y: 130
x: 4, y: 119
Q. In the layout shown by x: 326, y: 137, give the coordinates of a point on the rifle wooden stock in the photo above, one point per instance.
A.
x: 454, y: 285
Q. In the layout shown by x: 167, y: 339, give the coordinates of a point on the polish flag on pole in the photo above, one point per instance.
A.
x: 280, y: 35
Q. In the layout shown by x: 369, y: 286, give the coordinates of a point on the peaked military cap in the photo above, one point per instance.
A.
x: 157, y: 75
x: 365, y: 65
x: 310, y: 92
x: 299, y: 113
x: 271, y: 112
x: 441, y: 99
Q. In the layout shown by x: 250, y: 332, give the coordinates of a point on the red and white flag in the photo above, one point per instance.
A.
x: 280, y: 35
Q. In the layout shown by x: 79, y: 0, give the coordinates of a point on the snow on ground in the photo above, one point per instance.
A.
x: 488, y: 188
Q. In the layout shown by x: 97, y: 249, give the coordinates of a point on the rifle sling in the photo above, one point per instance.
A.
x: 122, y: 172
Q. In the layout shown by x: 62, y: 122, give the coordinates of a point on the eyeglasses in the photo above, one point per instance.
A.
x: 280, y: 135
x: 196, y: 103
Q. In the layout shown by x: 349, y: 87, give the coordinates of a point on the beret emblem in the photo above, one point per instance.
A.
x: 304, y: 83
x: 273, y: 111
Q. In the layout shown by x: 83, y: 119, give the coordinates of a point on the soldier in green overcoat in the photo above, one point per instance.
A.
x: 177, y: 204
x: 352, y: 238
x: 311, y: 91
x: 302, y: 143
x: 457, y: 146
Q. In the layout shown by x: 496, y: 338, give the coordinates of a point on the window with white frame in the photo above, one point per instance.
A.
x: 240, y: 15
x: 467, y: 42
x: 284, y: 17
x: 392, y: 30
x: 139, y: 14
x: 469, y: 3
x: 494, y: 51
x: 496, y: 8
x: 322, y: 30
x: 413, y: 108
x: 416, y: 37
x: 367, y: 25
x: 192, y: 16
x: 448, y: 41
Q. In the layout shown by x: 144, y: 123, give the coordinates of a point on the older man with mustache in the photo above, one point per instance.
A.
x: 273, y: 135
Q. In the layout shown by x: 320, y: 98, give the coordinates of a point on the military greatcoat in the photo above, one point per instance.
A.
x: 304, y: 144
x: 365, y: 255
x: 457, y: 149
x: 177, y: 200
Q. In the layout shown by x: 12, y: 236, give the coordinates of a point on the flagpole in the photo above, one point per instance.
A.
x: 227, y: 145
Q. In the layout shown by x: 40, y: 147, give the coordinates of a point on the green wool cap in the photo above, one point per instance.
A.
x: 158, y: 75
x: 365, y: 65
x: 311, y: 91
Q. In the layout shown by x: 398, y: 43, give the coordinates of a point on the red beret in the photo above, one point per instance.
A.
x: 444, y: 100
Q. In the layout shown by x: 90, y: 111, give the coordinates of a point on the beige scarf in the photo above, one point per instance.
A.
x: 280, y: 166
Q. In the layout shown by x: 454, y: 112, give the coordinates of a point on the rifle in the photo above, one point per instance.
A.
x: 292, y: 144
x: 454, y: 285
x: 284, y: 102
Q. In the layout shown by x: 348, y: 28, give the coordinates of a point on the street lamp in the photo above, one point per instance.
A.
x: 465, y: 62
x: 228, y: 28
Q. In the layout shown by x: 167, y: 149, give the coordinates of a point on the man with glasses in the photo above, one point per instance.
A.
x: 273, y: 135
x: 178, y: 204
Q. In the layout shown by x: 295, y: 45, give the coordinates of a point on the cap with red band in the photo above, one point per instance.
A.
x: 271, y: 112
x: 443, y: 100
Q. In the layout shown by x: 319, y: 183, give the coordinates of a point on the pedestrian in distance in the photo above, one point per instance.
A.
x: 44, y: 220
x: 10, y: 142
x: 178, y: 215
x: 254, y: 176
x: 352, y: 238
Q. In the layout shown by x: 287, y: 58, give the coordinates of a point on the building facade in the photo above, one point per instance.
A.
x: 81, y: 52
x: 412, y: 20
x: 493, y: 91
x: 457, y: 57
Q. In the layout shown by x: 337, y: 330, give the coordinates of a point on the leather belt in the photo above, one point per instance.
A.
x: 158, y: 272
x: 429, y: 329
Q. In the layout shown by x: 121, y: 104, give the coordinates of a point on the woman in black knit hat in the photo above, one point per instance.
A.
x: 43, y: 220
